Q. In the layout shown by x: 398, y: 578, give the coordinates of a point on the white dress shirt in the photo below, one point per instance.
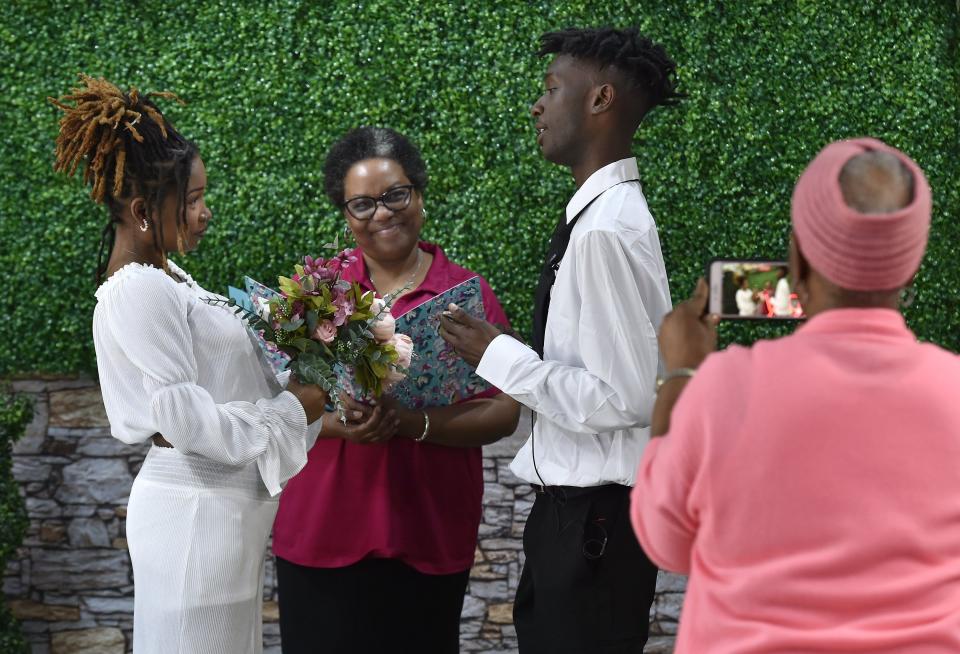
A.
x: 593, y: 391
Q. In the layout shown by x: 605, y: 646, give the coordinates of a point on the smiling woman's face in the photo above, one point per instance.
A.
x: 388, y: 235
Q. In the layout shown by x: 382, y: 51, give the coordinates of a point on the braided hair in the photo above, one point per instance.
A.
x: 642, y: 62
x: 129, y: 149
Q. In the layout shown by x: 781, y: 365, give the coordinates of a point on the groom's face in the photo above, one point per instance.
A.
x: 560, y: 112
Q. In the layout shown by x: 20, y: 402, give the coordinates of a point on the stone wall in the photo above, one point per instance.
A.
x: 70, y: 582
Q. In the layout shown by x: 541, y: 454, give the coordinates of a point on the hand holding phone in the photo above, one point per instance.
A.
x: 750, y: 289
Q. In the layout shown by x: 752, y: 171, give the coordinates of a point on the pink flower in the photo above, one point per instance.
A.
x: 383, y: 325
x: 326, y: 331
x: 403, y: 344
x: 345, y: 308
x: 383, y: 328
x: 318, y: 269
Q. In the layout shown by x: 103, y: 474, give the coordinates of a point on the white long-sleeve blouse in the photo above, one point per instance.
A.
x: 170, y: 363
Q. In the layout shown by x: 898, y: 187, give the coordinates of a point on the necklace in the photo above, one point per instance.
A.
x: 406, y: 285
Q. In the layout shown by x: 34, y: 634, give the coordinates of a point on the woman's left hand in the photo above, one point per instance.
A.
x: 365, y: 424
x: 410, y: 423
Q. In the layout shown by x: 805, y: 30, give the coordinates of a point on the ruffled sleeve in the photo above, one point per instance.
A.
x: 148, y: 318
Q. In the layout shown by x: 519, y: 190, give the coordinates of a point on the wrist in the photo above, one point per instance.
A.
x: 426, y: 428
x: 332, y: 427
x: 675, y: 375
x: 410, y: 422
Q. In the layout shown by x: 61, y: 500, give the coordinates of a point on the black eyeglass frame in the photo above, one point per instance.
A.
x: 410, y: 188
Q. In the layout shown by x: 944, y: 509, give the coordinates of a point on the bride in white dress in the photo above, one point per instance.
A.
x: 226, y: 434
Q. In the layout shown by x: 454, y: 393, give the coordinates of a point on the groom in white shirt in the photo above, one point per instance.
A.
x: 590, y: 378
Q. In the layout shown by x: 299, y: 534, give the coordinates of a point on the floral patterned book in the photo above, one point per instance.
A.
x: 254, y: 292
x: 437, y: 375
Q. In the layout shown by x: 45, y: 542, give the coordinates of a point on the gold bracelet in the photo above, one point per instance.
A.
x: 426, y: 428
x: 674, y: 374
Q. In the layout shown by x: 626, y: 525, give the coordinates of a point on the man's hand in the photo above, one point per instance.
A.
x: 469, y: 336
x: 687, y: 334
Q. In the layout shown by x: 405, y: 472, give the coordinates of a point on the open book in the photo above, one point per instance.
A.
x: 437, y: 375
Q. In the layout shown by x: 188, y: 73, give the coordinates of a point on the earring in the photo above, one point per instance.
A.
x: 907, y: 296
x: 423, y: 211
x: 144, y: 226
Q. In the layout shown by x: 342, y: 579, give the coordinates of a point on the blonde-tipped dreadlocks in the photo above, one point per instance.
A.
x: 98, y: 109
x: 129, y: 148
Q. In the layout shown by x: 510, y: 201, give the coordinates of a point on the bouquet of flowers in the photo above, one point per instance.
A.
x: 330, y: 327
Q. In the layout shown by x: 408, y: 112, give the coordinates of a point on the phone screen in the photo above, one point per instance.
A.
x: 743, y: 289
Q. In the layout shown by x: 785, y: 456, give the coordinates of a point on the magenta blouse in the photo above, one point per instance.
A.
x: 416, y: 502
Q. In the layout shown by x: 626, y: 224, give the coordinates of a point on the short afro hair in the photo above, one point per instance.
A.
x: 645, y: 63
x: 371, y: 143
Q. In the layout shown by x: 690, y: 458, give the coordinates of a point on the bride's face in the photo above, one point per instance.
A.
x: 384, y: 212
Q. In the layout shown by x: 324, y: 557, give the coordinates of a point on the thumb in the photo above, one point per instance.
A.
x: 460, y: 315
x: 698, y: 302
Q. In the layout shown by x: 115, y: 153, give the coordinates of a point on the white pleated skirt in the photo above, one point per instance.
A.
x: 197, y: 532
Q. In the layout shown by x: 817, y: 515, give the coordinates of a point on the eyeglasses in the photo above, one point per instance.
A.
x: 364, y: 207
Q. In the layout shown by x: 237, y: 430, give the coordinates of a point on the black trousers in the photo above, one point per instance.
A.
x: 586, y: 586
x: 371, y: 607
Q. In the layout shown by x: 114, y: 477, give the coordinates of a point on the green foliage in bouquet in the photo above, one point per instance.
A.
x: 272, y: 85
x: 16, y: 411
x: 326, y: 325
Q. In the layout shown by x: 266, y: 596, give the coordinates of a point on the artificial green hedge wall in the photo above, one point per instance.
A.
x: 16, y: 411
x: 272, y: 84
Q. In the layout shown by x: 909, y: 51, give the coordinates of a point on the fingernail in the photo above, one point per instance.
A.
x: 454, y: 307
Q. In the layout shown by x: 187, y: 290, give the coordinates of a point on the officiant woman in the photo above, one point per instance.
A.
x: 376, y: 536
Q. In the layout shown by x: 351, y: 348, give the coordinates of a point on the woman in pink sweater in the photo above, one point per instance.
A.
x: 829, y: 520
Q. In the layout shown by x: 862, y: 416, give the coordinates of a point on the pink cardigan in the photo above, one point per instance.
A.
x: 810, y: 487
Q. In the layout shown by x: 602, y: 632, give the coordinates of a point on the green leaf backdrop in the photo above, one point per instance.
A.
x: 16, y: 412
x: 272, y: 84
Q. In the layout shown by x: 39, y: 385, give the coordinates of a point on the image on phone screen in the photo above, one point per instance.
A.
x: 744, y: 289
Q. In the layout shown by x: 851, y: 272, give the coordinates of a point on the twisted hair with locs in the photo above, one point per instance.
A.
x: 128, y: 149
x: 644, y: 63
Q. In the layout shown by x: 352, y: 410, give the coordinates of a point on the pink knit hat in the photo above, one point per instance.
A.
x: 856, y: 251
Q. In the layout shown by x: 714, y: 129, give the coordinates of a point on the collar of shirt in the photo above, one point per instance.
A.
x: 612, y: 174
x: 440, y: 277
x: 882, y: 322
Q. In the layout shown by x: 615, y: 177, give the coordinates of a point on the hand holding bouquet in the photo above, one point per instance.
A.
x: 329, y: 326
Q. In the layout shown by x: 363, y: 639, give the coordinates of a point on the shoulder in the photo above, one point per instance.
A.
x: 948, y: 361
x: 140, y: 286
x: 727, y: 364
x: 456, y: 274
x: 444, y: 267
x: 453, y: 273
x: 622, y: 208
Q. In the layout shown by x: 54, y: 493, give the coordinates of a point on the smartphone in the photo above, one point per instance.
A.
x: 751, y: 289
